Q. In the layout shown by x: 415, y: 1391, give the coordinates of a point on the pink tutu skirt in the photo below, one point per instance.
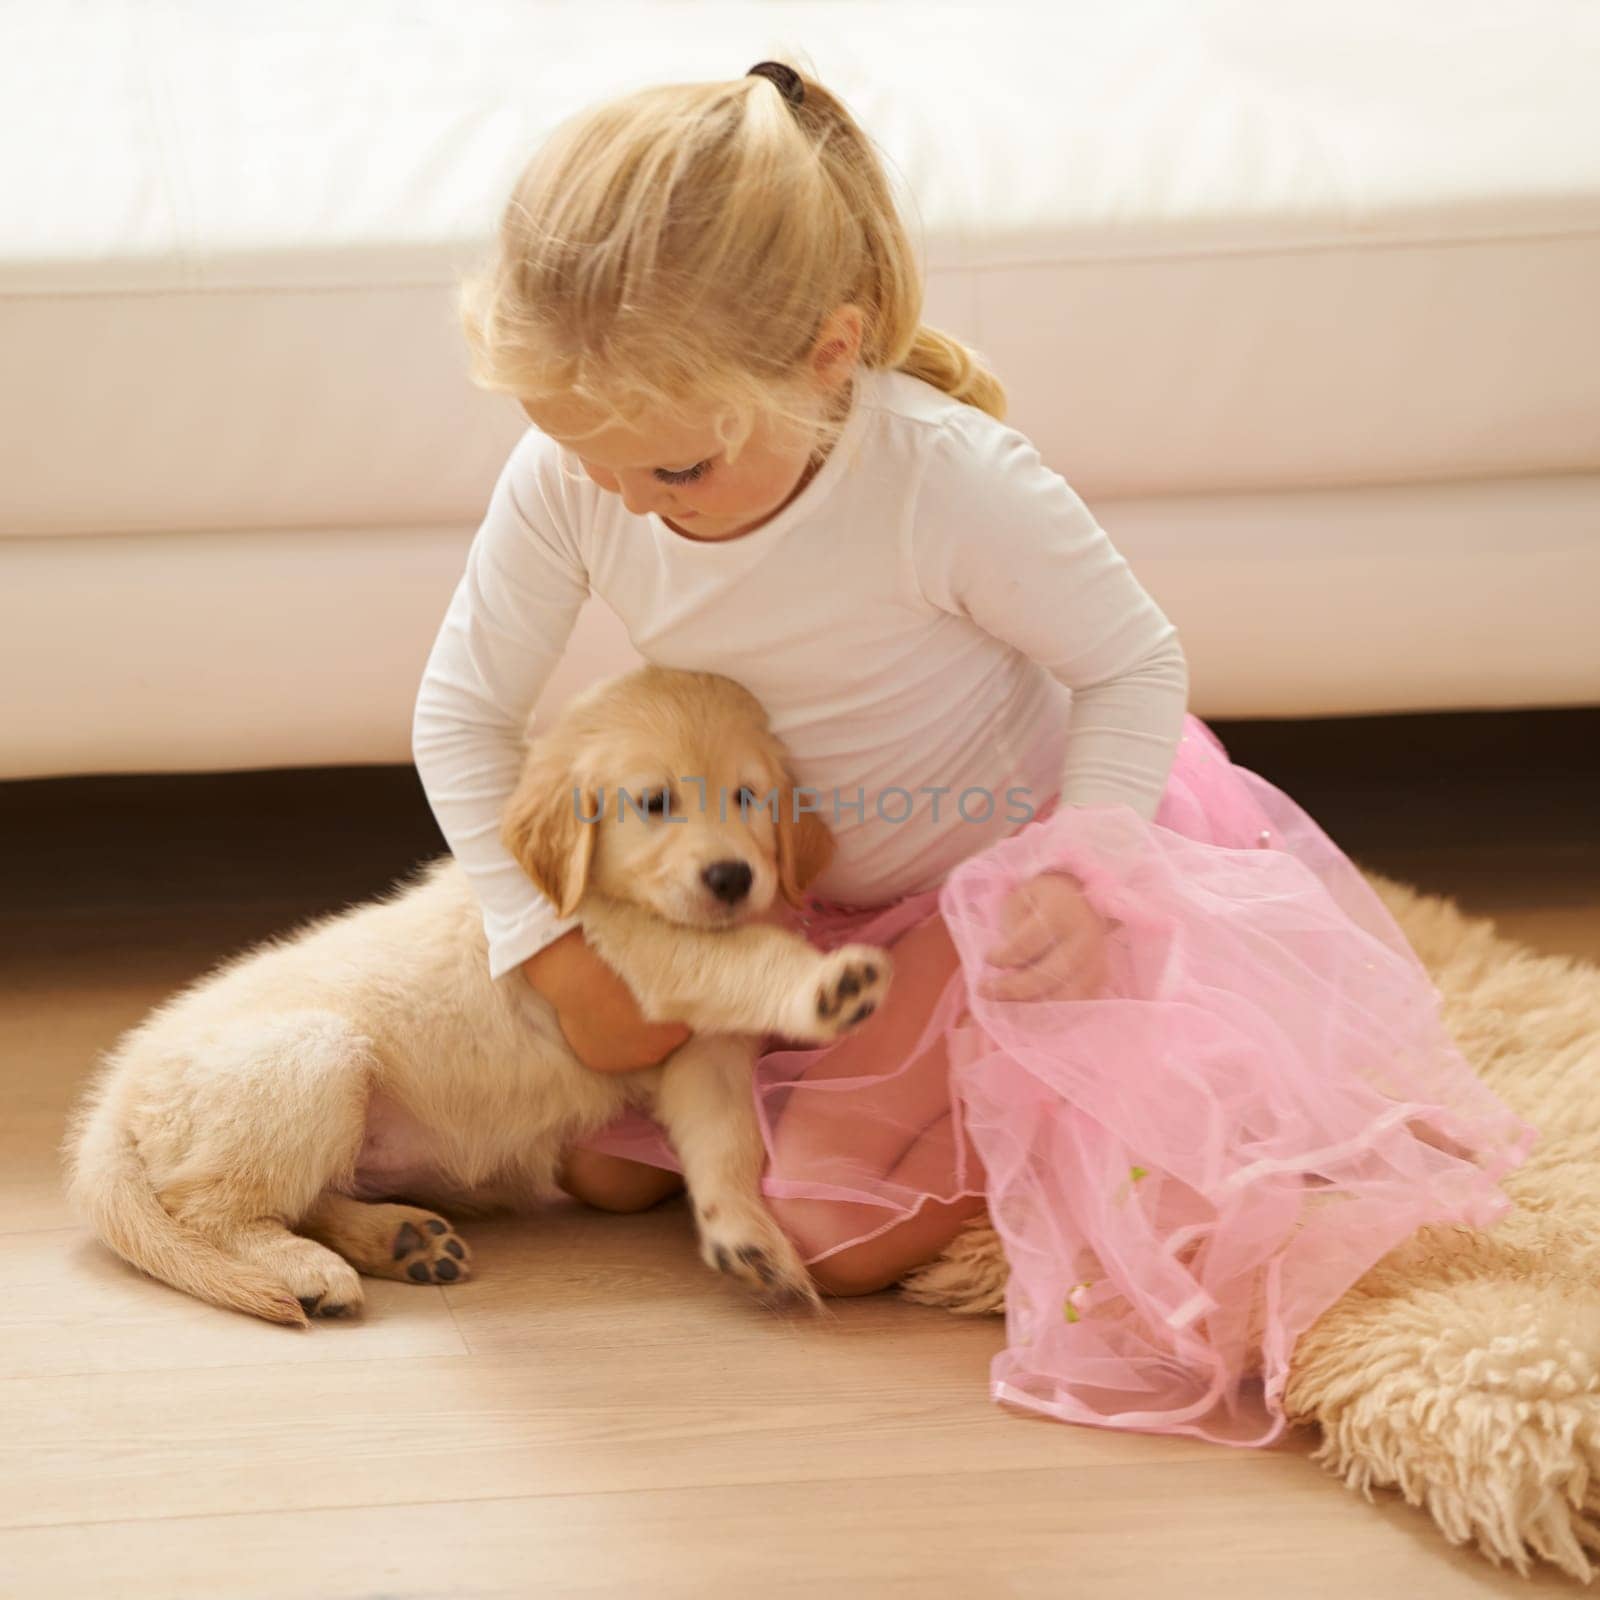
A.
x: 1186, y: 1169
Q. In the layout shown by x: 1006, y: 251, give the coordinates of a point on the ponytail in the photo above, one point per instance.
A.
x: 949, y: 365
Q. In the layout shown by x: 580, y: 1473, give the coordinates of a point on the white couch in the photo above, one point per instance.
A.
x: 1302, y: 299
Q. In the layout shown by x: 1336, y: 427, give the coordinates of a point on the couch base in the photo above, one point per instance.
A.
x: 247, y: 649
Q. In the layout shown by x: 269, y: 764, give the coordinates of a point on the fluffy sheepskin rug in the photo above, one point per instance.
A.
x: 1463, y: 1369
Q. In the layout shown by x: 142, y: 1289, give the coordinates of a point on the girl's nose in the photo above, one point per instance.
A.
x: 640, y: 495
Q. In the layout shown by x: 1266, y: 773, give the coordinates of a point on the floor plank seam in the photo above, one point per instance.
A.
x: 1235, y: 1462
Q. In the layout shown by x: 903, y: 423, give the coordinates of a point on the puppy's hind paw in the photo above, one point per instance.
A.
x: 322, y: 1285
x: 426, y: 1249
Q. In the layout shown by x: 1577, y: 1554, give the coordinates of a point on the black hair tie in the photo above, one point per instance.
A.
x: 786, y: 80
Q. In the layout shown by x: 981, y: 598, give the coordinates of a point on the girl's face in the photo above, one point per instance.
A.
x: 676, y: 466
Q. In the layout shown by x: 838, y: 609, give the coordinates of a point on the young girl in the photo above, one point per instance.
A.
x: 1145, y: 1012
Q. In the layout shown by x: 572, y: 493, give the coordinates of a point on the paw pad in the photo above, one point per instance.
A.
x: 429, y: 1252
x: 851, y: 993
x: 744, y: 1259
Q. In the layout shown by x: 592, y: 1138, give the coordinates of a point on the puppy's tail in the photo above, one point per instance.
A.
x: 111, y: 1191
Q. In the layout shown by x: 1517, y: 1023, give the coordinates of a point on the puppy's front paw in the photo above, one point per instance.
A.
x: 849, y: 986
x: 744, y: 1243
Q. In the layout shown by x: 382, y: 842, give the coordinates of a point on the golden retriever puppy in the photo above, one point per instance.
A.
x: 292, y: 1119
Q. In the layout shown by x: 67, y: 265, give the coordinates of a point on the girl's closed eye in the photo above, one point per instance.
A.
x: 683, y: 475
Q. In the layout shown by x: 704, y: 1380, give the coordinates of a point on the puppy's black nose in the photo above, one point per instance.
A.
x: 729, y: 881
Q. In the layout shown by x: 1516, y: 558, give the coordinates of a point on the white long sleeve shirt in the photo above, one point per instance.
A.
x: 936, y: 613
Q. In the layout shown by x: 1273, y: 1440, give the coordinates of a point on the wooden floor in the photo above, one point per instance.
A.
x: 594, y: 1414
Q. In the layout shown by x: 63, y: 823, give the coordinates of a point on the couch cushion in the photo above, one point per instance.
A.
x: 1208, y: 245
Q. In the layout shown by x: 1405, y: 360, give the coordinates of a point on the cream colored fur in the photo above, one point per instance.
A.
x: 218, y: 1149
x: 1464, y: 1369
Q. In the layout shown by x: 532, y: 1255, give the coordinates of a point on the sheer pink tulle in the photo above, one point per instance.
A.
x: 1185, y: 1170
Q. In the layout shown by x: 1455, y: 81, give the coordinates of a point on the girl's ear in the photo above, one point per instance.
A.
x: 838, y: 348
x: 544, y: 831
x: 805, y: 847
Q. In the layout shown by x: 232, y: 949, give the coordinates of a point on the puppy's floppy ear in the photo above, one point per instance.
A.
x: 544, y: 831
x: 805, y: 846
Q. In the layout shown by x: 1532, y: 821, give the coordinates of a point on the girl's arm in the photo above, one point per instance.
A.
x: 1005, y: 542
x: 508, y: 622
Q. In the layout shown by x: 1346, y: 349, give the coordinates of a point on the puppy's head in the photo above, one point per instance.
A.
x: 666, y: 789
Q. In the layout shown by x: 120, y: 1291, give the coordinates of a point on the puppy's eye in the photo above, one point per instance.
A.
x: 748, y: 799
x: 656, y: 802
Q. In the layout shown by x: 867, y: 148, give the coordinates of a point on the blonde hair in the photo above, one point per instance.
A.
x: 687, y: 244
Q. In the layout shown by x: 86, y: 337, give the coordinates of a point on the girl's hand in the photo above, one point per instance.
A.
x: 596, y: 1010
x: 1052, y: 943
